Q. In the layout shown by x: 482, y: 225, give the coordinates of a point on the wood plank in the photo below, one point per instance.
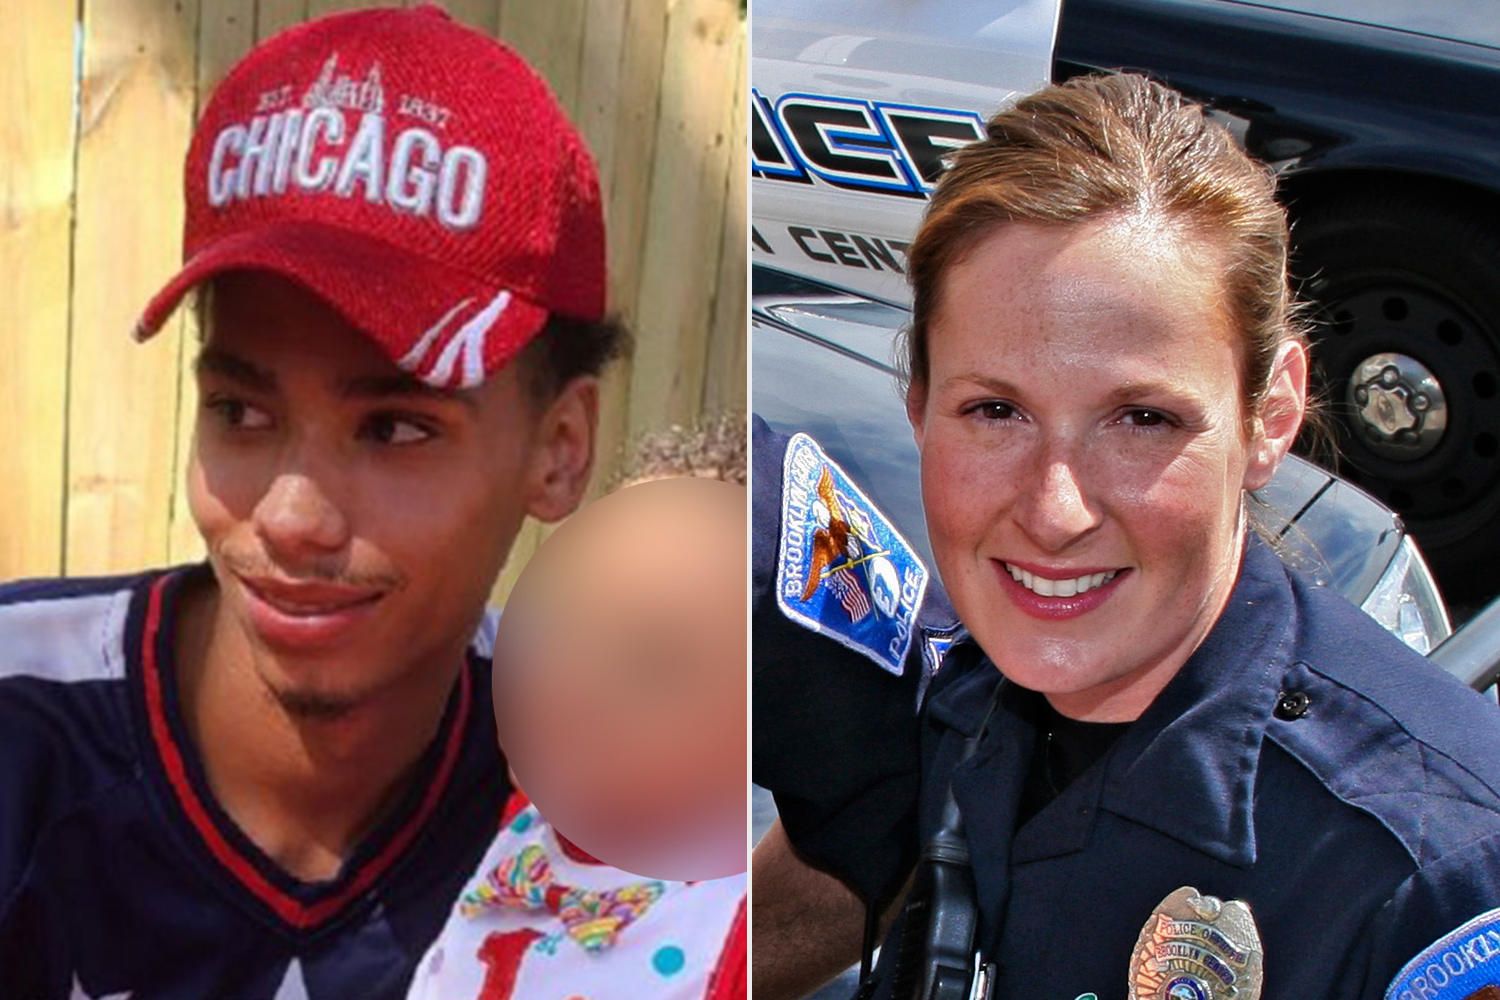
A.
x: 633, y: 150
x: 136, y: 110
x: 626, y: 172
x: 273, y: 16
x: 724, y: 388
x: 36, y: 178
x: 605, y: 43
x: 550, y: 36
x: 318, y: 8
x: 605, y: 46
x: 226, y: 31
x: 681, y: 258
x: 614, y: 441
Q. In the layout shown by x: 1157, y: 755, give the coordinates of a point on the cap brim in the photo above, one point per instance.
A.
x: 442, y: 325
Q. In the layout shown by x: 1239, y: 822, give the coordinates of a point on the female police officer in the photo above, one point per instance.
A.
x: 1191, y: 769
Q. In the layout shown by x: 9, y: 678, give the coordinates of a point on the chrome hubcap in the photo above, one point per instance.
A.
x: 1400, y: 406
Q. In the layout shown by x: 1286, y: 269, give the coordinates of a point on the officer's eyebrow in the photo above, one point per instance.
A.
x: 998, y: 386
x: 1124, y: 393
x: 217, y: 361
x: 404, y: 386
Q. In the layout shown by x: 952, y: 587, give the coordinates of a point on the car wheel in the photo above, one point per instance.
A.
x: 1406, y: 352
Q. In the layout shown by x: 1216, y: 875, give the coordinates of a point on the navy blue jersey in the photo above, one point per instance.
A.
x: 121, y: 877
x: 1302, y: 761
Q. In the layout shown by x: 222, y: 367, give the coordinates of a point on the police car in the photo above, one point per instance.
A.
x: 1378, y: 117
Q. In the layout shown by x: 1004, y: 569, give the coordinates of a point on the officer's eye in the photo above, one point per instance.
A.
x: 1141, y: 416
x: 992, y: 409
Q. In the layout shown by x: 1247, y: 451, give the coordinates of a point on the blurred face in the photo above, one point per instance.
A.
x: 355, y: 519
x: 620, y: 679
x: 1084, y: 447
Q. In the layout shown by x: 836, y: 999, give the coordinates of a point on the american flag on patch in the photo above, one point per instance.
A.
x: 845, y: 586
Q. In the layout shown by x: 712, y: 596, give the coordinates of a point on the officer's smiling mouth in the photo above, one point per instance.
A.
x: 1057, y: 585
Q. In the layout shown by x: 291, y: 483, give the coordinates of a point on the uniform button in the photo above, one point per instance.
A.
x: 1292, y: 705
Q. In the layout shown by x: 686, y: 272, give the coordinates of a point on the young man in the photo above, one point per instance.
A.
x: 269, y: 776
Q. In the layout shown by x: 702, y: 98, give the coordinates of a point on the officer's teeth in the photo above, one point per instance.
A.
x: 1059, y: 588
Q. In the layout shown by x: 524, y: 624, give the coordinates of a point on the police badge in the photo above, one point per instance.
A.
x: 1197, y: 947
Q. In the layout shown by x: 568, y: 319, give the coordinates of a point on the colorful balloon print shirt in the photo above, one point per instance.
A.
x: 541, y: 920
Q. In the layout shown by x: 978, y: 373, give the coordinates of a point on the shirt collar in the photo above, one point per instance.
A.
x: 1187, y: 767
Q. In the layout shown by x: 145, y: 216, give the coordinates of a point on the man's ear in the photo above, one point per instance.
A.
x: 563, y: 457
x: 1275, y: 427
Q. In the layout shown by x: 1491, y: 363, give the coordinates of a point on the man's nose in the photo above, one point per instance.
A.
x: 298, y: 520
x: 1055, y: 509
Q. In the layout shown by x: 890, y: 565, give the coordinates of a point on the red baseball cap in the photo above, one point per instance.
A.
x: 415, y: 174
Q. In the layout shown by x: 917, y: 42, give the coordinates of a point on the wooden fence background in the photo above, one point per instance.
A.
x: 95, y: 118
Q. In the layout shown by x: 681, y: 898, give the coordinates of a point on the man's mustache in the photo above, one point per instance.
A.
x: 336, y: 573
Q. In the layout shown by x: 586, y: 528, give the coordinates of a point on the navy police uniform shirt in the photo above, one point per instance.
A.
x: 836, y: 681
x: 121, y: 877
x: 1303, y: 761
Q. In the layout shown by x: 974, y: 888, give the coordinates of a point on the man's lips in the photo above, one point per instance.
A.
x: 305, y: 614
x: 1053, y: 593
x: 309, y: 598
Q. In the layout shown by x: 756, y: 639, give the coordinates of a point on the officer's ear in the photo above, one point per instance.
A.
x: 916, y: 408
x: 563, y: 446
x: 1274, y: 426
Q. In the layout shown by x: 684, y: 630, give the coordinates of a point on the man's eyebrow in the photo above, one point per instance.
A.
x: 217, y: 361
x: 404, y: 386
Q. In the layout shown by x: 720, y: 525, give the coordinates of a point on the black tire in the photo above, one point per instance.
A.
x: 1403, y: 272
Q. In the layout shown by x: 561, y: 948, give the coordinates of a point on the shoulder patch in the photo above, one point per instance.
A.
x: 1463, y: 964
x: 844, y: 571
